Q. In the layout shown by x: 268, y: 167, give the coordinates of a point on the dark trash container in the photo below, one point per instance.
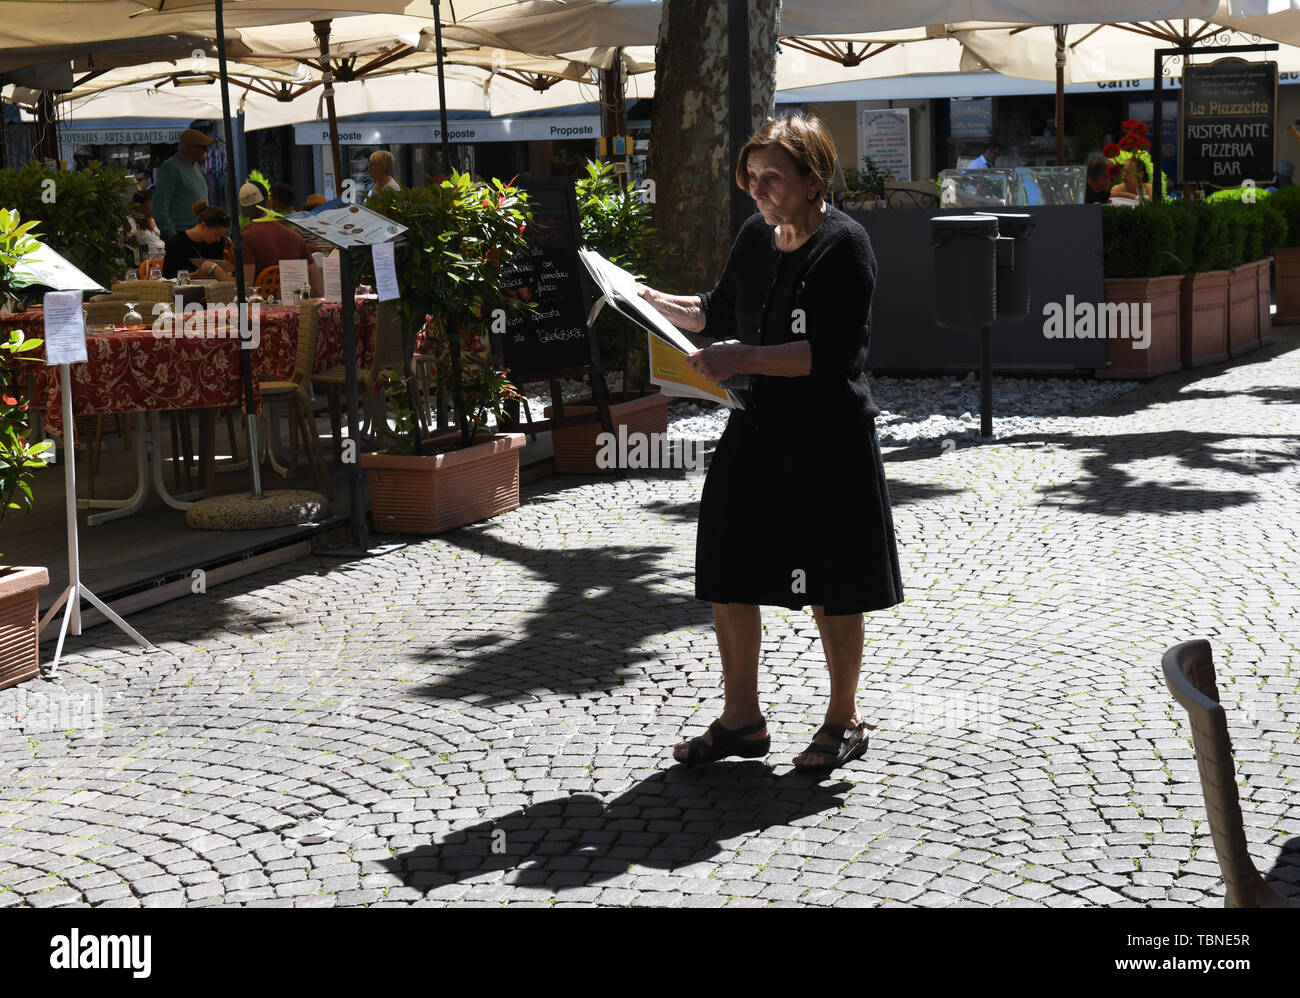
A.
x: 1014, y: 233
x: 965, y: 269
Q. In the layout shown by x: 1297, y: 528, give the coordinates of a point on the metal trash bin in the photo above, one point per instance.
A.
x: 965, y: 269
x: 1014, y: 232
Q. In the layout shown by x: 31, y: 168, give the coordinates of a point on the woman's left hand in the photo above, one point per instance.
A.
x: 719, y: 361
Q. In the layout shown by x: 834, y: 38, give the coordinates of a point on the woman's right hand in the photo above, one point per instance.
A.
x: 683, y: 311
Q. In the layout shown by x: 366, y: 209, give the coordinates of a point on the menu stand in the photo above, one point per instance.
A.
x: 77, y: 590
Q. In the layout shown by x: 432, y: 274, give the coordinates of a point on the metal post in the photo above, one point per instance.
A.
x: 986, y: 382
x: 356, y: 489
x: 741, y: 104
x: 1060, y: 94
x: 322, y: 29
x: 442, y: 98
x: 241, y: 295
x: 1157, y: 118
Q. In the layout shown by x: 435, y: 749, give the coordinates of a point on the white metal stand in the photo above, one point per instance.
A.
x: 148, y: 452
x: 76, y: 591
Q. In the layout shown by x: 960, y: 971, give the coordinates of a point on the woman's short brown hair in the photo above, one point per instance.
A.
x: 212, y: 215
x: 806, y: 140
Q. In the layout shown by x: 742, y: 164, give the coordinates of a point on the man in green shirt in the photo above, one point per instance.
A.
x: 180, y: 183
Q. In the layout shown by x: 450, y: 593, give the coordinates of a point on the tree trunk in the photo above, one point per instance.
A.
x: 689, y: 161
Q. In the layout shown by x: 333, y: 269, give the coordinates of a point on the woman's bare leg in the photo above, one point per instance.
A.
x: 739, y: 631
x: 842, y: 637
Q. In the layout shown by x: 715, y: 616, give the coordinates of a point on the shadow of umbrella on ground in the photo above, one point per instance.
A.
x: 1284, y: 876
x: 674, y: 819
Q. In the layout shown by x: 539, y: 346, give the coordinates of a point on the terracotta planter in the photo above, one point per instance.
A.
x: 1243, y: 310
x: 575, y: 446
x: 1286, y: 266
x: 19, y: 642
x: 1263, y: 269
x: 1204, y: 319
x: 428, y: 494
x: 1161, y: 356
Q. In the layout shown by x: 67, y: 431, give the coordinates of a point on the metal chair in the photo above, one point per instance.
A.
x: 387, y: 358
x: 145, y: 266
x: 294, y: 393
x: 1189, y: 673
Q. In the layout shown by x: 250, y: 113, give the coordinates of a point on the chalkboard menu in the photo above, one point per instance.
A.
x: 553, y: 336
x: 1229, y: 109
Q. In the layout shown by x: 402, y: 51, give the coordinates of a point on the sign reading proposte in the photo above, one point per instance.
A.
x: 1228, y: 115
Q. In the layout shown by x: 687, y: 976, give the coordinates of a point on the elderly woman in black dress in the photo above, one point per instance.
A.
x: 795, y: 510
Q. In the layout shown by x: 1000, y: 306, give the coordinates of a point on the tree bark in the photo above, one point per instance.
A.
x: 689, y: 162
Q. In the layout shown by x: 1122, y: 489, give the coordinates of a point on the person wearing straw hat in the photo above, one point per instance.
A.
x: 795, y: 510
x: 181, y: 182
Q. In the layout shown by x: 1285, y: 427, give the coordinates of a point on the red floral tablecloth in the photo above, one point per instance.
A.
x: 274, y: 358
x: 140, y: 372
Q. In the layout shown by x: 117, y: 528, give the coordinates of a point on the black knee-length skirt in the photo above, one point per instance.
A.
x: 796, y: 516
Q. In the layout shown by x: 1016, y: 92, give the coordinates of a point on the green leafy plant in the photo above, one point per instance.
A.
x: 1287, y: 203
x: 463, y: 238
x: 869, y: 180
x: 18, y: 458
x: 82, y: 213
x: 1138, y: 242
x: 617, y: 223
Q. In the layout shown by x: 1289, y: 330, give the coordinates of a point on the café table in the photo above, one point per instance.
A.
x: 137, y: 371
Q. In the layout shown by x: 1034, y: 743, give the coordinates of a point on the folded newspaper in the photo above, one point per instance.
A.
x: 668, y: 346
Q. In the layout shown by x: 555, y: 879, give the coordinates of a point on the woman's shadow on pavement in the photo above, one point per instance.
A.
x: 676, y: 818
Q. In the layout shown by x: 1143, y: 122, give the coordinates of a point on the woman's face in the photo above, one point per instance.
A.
x: 377, y: 171
x: 780, y: 191
x: 212, y: 233
x: 1132, y: 177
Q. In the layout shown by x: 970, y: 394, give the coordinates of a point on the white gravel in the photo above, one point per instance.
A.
x: 914, y: 411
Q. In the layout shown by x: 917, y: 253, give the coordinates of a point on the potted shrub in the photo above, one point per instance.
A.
x: 1204, y: 290
x: 1238, y: 237
x: 448, y: 484
x: 616, y: 223
x: 19, y: 587
x: 463, y: 236
x: 1286, y: 256
x: 864, y: 187
x: 1141, y: 267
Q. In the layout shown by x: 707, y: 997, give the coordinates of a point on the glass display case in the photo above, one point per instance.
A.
x: 975, y: 188
x: 1048, y: 185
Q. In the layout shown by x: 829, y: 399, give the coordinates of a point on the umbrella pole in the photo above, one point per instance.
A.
x: 241, y: 297
x: 453, y: 336
x: 322, y: 29
x: 1060, y: 94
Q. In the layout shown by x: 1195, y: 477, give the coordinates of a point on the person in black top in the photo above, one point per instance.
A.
x: 1097, y: 188
x: 200, y: 249
x: 795, y: 510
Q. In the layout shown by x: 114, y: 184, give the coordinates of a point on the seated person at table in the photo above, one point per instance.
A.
x: 281, y: 199
x: 1097, y: 189
x: 1134, y: 178
x: 200, y: 249
x: 267, y: 242
x: 146, y: 241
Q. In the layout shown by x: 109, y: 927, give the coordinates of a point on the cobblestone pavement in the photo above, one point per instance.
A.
x: 487, y: 717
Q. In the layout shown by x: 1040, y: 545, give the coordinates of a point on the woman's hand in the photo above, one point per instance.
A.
x: 720, y: 361
x: 683, y: 311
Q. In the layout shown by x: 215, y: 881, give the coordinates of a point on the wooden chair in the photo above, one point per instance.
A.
x: 1189, y: 673
x: 268, y: 282
x: 387, y: 359
x: 294, y: 393
x: 156, y: 261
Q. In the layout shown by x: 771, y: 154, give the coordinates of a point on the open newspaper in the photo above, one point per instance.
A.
x: 668, y: 347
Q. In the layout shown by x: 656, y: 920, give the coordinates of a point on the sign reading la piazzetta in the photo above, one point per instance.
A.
x: 1229, y: 114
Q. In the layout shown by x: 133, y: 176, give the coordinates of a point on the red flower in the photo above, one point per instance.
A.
x: 1140, y: 143
x: 1110, y: 150
x: 1130, y: 142
x: 1114, y: 170
x: 10, y: 400
x: 521, y: 228
x: 1134, y: 126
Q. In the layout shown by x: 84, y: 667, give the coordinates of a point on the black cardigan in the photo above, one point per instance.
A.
x: 834, y: 288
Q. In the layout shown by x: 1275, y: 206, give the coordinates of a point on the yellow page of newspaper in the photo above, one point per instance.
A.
x: 668, y: 368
